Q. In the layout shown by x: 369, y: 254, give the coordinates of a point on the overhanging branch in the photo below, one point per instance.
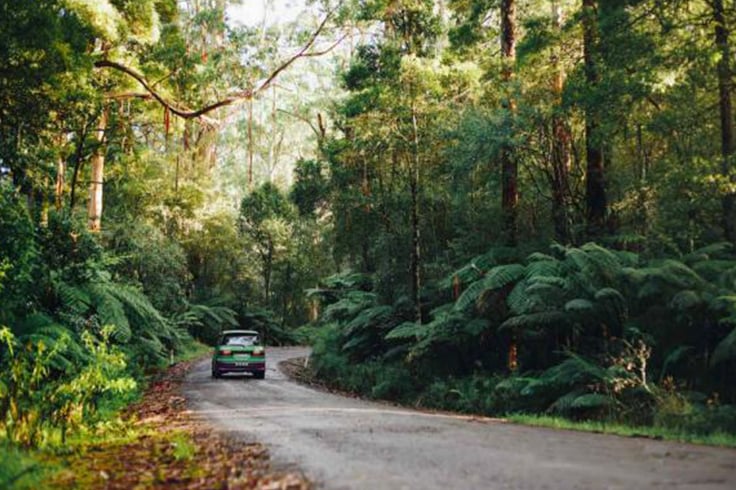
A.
x: 187, y: 113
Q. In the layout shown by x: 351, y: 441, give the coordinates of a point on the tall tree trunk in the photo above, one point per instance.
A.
x: 94, y: 207
x: 728, y: 142
x: 78, y: 162
x: 416, y: 256
x: 509, y: 167
x: 60, y: 176
x: 250, y: 144
x: 561, y: 154
x: 267, y: 271
x: 595, y: 184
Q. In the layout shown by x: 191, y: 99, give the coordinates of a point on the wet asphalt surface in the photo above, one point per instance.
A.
x: 345, y: 443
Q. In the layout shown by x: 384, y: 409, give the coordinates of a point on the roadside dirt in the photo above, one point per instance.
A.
x: 172, y: 450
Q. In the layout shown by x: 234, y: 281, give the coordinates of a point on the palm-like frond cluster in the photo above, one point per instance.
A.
x: 81, y: 334
x: 576, y: 330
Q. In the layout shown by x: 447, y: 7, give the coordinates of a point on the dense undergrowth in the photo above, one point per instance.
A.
x: 85, y: 320
x: 585, y: 333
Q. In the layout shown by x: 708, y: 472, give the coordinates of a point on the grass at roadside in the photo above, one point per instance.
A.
x: 20, y: 470
x: 715, y: 439
x: 192, y: 350
x: 153, y: 443
x: 169, y: 447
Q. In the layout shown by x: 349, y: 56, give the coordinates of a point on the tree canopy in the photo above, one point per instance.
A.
x: 494, y: 206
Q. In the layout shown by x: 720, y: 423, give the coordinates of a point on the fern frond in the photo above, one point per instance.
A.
x: 518, y: 300
x: 68, y: 353
x: 714, y: 251
x: 376, y: 317
x: 713, y: 270
x: 535, y: 321
x: 591, y: 400
x: 612, y: 303
x: 110, y: 312
x: 675, y: 356
x: 74, y: 299
x: 349, y: 306
x: 686, y: 300
x: 497, y: 278
x: 575, y: 370
x: 540, y: 257
x: 564, y: 403
x: 557, y: 281
x: 725, y: 350
x: 607, y: 262
x: 579, y: 305
x: 407, y: 330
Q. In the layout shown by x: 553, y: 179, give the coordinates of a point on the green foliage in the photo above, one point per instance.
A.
x: 157, y: 263
x: 263, y: 321
x: 18, y: 252
x: 206, y: 322
x: 310, y: 187
x: 18, y: 470
x: 497, y: 278
x: 135, y: 322
x: 576, y: 314
x: 401, y: 196
x: 39, y: 401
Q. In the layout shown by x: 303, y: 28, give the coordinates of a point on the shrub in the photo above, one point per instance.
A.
x: 39, y: 402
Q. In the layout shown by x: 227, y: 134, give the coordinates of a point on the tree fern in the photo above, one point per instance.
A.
x: 205, y: 321
x: 564, y: 404
x: 518, y: 299
x: 37, y: 328
x: 535, y: 321
x: 579, y: 305
x: 496, y: 278
x: 713, y: 252
x: 686, y: 300
x: 377, y: 317
x: 407, y: 330
x: 660, y: 277
x: 612, y: 305
x: 110, y: 311
x: 591, y: 400
x: 364, y: 335
x: 674, y: 357
x: 73, y: 298
x: 726, y: 349
x: 349, y: 306
x: 475, y: 269
x: 607, y: 263
x: 716, y: 271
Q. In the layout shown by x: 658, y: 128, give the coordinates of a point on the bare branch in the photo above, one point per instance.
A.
x: 303, y: 119
x: 200, y: 113
x: 303, y: 53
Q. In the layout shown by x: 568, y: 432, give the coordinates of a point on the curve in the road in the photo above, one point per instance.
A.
x: 346, y: 443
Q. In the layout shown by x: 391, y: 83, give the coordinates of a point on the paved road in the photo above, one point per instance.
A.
x: 343, y: 443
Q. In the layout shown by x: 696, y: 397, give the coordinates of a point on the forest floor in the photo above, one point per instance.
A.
x: 169, y: 449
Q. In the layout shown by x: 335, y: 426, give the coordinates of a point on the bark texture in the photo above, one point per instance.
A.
x: 561, y: 144
x: 725, y: 90
x: 595, y: 179
x: 94, y: 207
x: 509, y: 166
